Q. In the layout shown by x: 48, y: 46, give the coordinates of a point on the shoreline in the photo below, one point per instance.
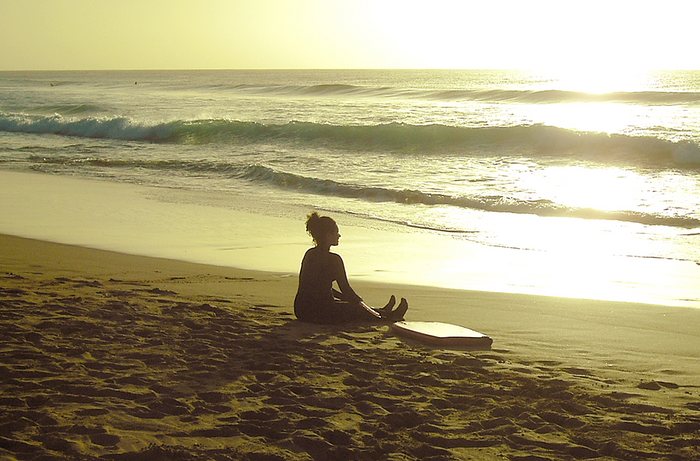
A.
x: 229, y: 230
x: 115, y: 356
x: 545, y: 325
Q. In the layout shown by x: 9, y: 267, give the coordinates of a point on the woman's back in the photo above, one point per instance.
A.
x: 316, y: 278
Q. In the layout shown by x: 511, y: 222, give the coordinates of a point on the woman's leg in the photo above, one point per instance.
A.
x: 346, y: 312
x: 387, y: 308
x: 352, y: 312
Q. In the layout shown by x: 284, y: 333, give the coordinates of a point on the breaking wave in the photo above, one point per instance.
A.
x: 268, y: 176
x: 521, y: 139
x: 547, y: 208
x: 490, y: 95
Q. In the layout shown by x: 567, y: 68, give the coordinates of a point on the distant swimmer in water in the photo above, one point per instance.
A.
x: 316, y: 300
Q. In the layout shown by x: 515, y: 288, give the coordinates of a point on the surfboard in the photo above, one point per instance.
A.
x: 441, y: 334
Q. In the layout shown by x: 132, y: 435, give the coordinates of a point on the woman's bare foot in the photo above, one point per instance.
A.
x: 398, y: 314
x: 389, y: 306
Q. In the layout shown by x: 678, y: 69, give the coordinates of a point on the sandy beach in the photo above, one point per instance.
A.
x: 167, y: 175
x: 113, y: 356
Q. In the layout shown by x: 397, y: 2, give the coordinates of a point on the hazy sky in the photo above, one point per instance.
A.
x: 184, y: 34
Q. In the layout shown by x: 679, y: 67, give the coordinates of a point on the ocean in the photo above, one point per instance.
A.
x: 531, y: 163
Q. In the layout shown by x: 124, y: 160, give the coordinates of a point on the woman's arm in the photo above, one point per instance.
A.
x: 342, y: 279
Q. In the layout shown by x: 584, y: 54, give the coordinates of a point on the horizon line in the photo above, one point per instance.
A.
x: 287, y: 69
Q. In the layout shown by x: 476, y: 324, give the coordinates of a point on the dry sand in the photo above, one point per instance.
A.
x: 110, y: 356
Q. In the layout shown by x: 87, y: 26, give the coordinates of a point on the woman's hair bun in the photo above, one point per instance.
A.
x: 312, y: 222
x: 317, y: 225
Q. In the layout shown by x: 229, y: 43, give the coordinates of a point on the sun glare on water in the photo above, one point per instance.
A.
x: 587, y: 116
x: 605, y: 189
x: 599, y: 107
x: 600, y: 79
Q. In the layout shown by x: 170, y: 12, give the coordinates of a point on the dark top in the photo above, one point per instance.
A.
x: 319, y: 269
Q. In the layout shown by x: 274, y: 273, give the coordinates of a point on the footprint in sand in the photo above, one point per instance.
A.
x: 104, y: 439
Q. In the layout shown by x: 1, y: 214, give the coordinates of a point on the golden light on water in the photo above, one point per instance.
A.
x: 571, y: 256
x: 606, y: 77
x: 601, y: 108
x: 588, y: 116
x: 606, y: 189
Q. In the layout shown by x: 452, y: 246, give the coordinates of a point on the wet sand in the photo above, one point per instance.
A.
x: 112, y: 356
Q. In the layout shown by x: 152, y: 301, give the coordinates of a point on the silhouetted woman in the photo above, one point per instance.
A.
x: 316, y: 300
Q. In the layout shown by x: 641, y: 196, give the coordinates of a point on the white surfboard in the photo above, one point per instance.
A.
x: 441, y: 334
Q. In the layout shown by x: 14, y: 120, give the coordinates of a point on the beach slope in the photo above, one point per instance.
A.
x: 111, y: 356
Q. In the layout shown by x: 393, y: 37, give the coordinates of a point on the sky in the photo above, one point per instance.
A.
x: 318, y: 34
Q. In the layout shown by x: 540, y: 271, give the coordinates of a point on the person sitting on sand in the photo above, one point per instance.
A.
x: 316, y: 301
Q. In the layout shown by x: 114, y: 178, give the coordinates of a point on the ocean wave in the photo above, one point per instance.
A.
x: 268, y: 176
x: 120, y: 128
x: 546, y: 96
x: 399, y: 137
x: 562, y: 96
x: 546, y: 208
x: 67, y: 109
